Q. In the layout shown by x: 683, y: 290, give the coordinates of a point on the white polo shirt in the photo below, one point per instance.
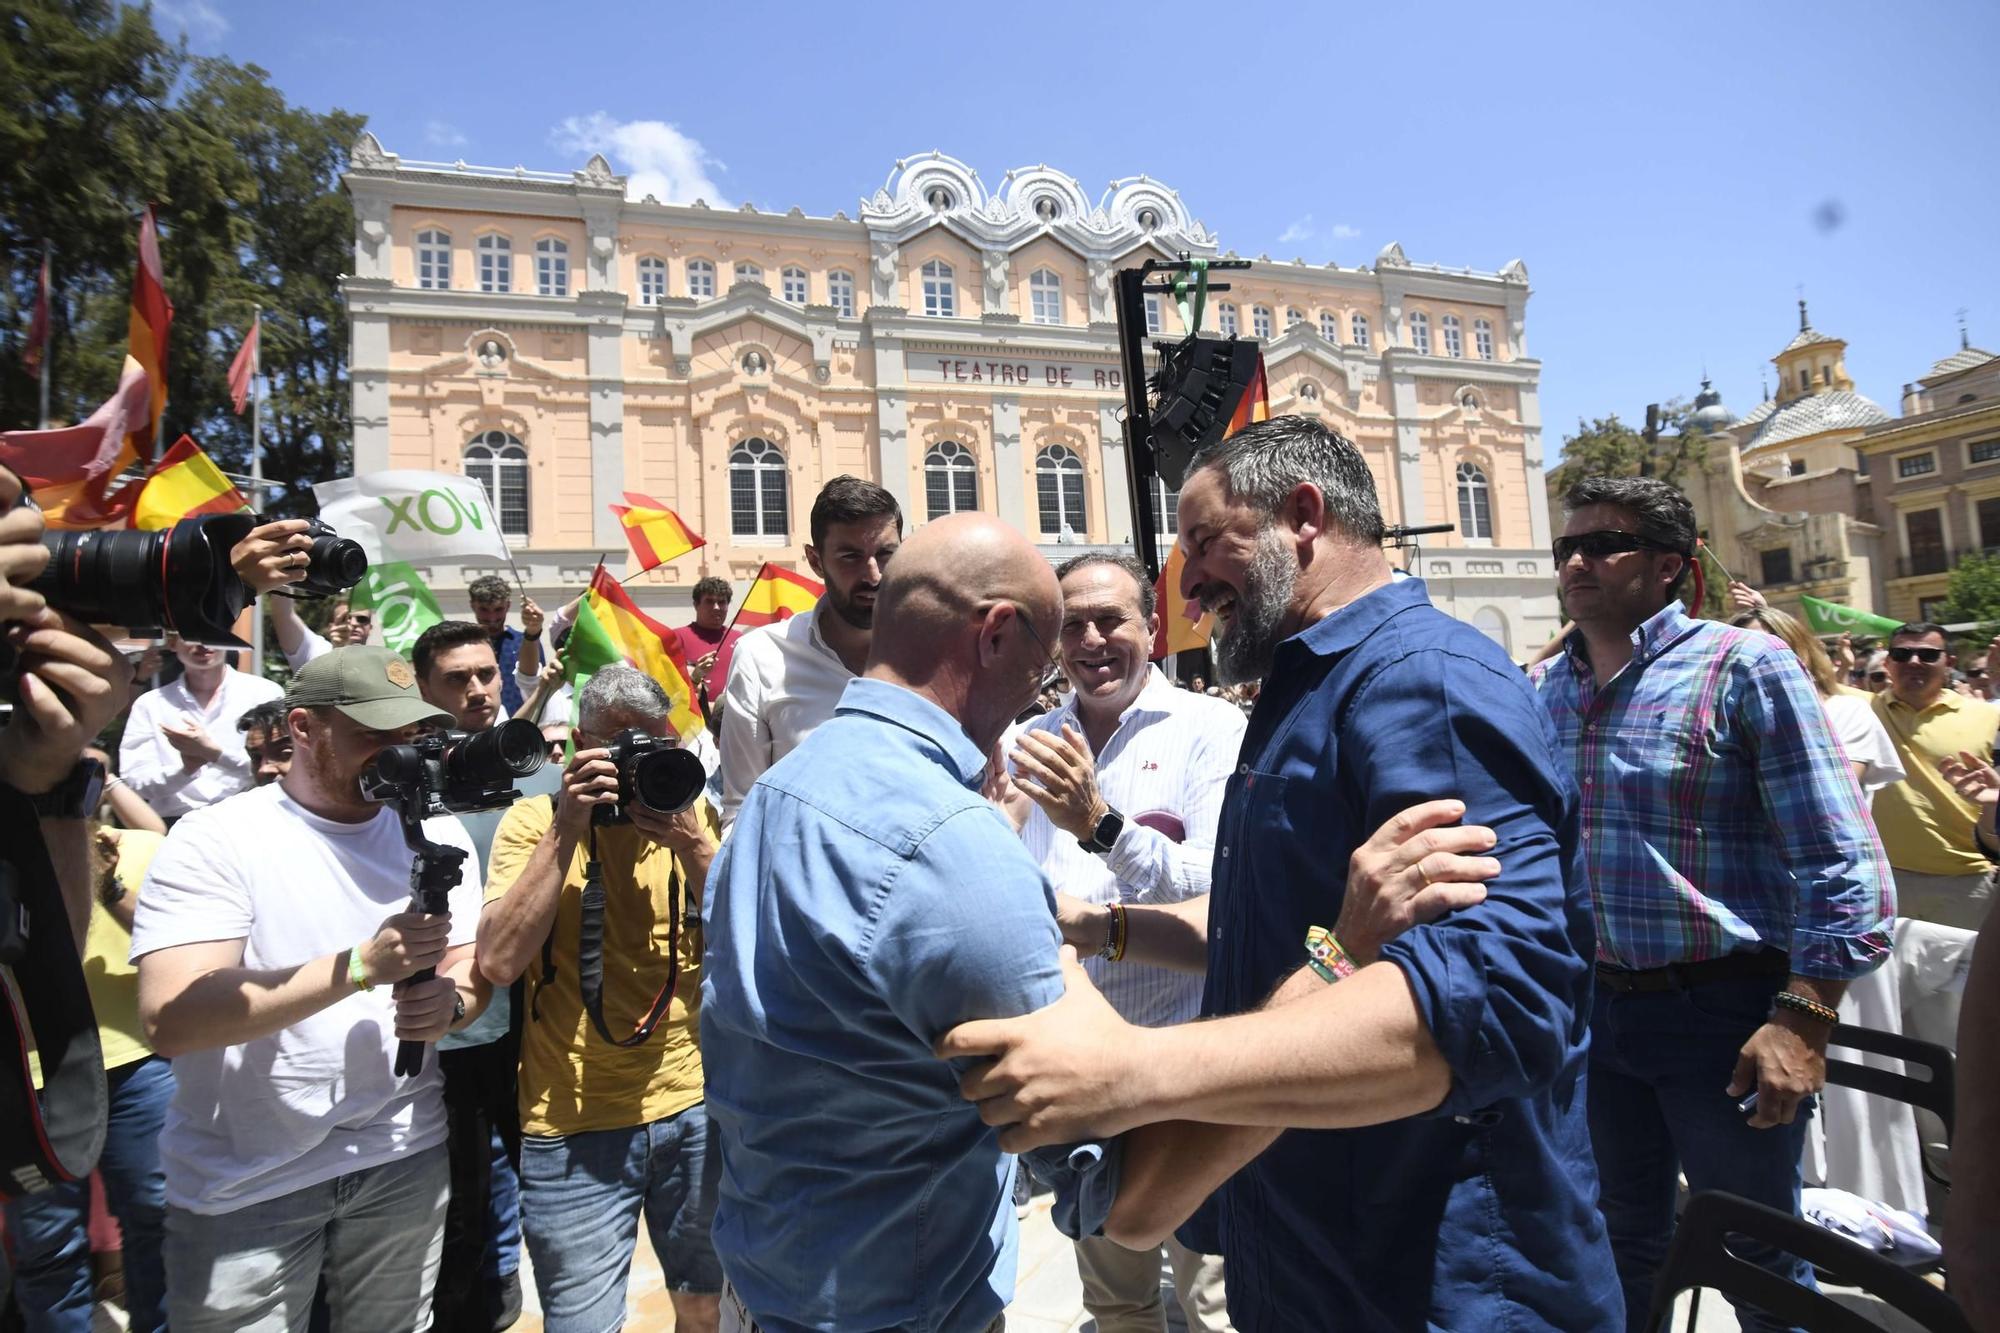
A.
x: 784, y: 681
x: 1164, y: 769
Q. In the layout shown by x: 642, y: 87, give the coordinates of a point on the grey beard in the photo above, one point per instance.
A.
x: 1243, y: 651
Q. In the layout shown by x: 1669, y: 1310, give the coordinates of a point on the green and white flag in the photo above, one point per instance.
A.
x: 413, y: 516
x: 1833, y: 618
x: 403, y: 606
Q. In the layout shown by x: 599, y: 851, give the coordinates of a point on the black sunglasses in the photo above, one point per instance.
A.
x: 1598, y: 545
x: 1928, y: 656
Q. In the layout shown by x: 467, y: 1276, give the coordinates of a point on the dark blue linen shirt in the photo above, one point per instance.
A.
x: 1483, y: 1213
x: 507, y: 648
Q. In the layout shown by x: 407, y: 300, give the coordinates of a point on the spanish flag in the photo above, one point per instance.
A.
x: 1183, y: 625
x: 611, y: 628
x: 152, y: 315
x: 1255, y: 404
x: 655, y: 531
x: 778, y: 594
x: 185, y: 483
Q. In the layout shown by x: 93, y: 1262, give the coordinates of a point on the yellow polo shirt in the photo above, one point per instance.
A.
x: 1926, y: 826
x: 108, y: 974
x: 572, y: 1080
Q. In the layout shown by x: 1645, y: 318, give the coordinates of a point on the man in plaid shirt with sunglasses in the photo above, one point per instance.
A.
x: 1736, y: 879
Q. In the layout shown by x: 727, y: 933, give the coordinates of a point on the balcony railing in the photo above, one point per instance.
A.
x: 1938, y: 562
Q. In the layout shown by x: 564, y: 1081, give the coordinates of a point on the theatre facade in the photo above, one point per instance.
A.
x: 564, y: 343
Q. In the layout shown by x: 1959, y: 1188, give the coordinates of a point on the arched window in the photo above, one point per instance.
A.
x: 1358, y: 326
x: 792, y: 285
x: 1420, y: 332
x: 652, y: 280
x: 434, y: 259
x: 1475, y: 504
x: 701, y: 280
x: 757, y: 491
x: 1260, y: 321
x: 1329, y: 326
x: 1059, y: 489
x: 1045, y: 297
x: 1167, y: 513
x: 1492, y: 623
x: 1155, y: 313
x: 840, y: 292
x: 748, y: 272
x: 1294, y: 315
x: 951, y: 479
x: 552, y: 267
x: 496, y: 263
x: 1482, y: 338
x: 1225, y: 319
x: 499, y: 463
x: 1454, y: 337
x: 940, y: 290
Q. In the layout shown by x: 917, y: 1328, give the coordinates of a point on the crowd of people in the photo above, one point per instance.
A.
x: 1379, y: 983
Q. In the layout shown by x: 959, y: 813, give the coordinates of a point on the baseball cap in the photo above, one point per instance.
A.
x: 374, y: 686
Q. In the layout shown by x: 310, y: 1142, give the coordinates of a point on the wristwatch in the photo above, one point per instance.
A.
x: 75, y: 797
x: 457, y: 1007
x: 1106, y: 833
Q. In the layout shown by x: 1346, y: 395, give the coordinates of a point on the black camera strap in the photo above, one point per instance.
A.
x: 590, y: 953
x: 55, y: 1137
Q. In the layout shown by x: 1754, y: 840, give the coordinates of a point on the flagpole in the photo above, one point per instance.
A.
x: 257, y: 468
x: 48, y: 327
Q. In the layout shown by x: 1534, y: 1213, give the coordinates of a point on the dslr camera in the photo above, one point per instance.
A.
x: 456, y: 772
x: 652, y: 772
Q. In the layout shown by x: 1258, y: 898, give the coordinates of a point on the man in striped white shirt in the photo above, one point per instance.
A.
x: 1123, y: 786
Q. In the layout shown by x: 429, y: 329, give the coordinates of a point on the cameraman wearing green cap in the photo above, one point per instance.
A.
x: 270, y: 939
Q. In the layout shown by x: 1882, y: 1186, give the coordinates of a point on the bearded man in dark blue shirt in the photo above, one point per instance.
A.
x: 1437, y: 1171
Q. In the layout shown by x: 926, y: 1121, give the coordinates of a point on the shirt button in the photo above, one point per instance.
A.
x: 1243, y: 768
x: 1225, y: 853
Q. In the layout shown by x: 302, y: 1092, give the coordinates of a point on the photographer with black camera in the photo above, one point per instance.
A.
x: 596, y: 896
x: 269, y: 935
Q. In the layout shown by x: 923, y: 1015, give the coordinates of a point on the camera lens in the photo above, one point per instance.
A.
x: 177, y: 578
x: 495, y: 756
x: 667, y: 780
x: 333, y: 563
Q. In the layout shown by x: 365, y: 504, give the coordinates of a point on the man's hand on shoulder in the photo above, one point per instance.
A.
x: 1413, y: 870
x: 1069, y: 1071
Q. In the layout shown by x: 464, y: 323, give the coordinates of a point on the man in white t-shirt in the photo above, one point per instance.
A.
x: 270, y: 931
x: 181, y: 749
x: 785, y: 678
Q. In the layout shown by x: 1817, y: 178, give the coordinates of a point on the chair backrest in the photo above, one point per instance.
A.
x: 1700, y: 1257
x: 1935, y: 1092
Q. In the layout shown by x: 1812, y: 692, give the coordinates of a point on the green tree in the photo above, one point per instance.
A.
x: 1974, y: 592
x: 1607, y: 447
x: 104, y: 116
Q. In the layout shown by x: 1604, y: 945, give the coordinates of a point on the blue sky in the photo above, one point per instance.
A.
x: 1672, y: 175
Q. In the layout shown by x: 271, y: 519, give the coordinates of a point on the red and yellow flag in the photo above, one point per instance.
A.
x: 152, y: 315
x: 185, y: 483
x: 778, y: 594
x: 610, y: 625
x: 1254, y: 405
x: 71, y: 469
x: 1183, y: 624
x: 656, y: 532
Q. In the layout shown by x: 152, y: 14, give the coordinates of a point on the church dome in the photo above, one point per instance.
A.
x: 1710, y: 417
x: 1815, y: 414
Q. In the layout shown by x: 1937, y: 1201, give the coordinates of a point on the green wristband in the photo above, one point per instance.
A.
x: 357, y: 975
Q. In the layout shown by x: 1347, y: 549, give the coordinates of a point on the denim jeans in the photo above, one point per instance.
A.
x: 580, y: 1197
x: 376, y: 1235
x: 503, y: 1248
x: 51, y: 1248
x: 1660, y: 1065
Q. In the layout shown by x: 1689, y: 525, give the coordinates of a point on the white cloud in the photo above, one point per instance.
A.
x: 1342, y: 232
x: 197, y: 19
x: 657, y: 158
x: 444, y: 134
x: 1300, y: 230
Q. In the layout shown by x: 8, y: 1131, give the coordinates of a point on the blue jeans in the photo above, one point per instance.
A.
x: 503, y: 1211
x: 51, y: 1244
x: 1660, y: 1065
x: 375, y: 1235
x: 580, y: 1197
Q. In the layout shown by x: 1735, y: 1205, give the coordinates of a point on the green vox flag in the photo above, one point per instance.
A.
x: 403, y: 606
x: 1833, y: 618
